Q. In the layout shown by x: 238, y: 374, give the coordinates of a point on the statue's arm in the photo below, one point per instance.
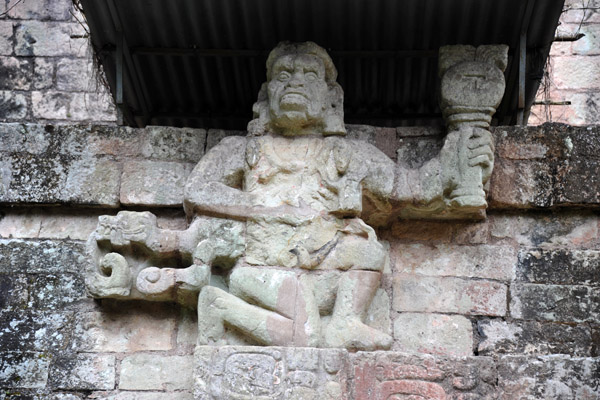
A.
x: 455, y: 178
x: 215, y: 185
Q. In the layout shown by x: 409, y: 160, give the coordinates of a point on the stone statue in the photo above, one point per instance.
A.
x: 277, y: 252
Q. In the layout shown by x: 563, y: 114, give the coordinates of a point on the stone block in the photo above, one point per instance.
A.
x: 392, y: 375
x: 174, y: 144
x: 13, y: 105
x: 72, y: 226
x: 51, y: 105
x: 555, y: 302
x: 116, y: 141
x: 532, y: 337
x: 578, y: 11
x: 423, y: 230
x: 19, y: 225
x: 560, y: 267
x: 83, y: 372
x: 414, y: 152
x: 24, y: 370
x: 187, y: 328
x: 74, y: 75
x: 365, y: 133
x: 386, y: 141
x: 433, y: 334
x: 520, y: 184
x: 15, y: 73
x: 93, y: 181
x: 489, y: 262
x: 142, y: 327
x: 156, y: 372
x: 414, y: 293
x: 51, y: 292
x: 270, y: 372
x: 153, y: 183
x: 571, y: 230
x: 43, y: 73
x: 214, y: 136
x: 42, y: 10
x: 411, y: 131
x: 41, y: 256
x: 471, y: 232
x: 34, y: 331
x: 548, y: 377
x: 6, y: 36
x: 179, y: 395
x: 13, y: 291
x: 36, y: 38
x: 18, y: 138
x: 92, y: 107
x: 588, y: 45
x: 576, y: 72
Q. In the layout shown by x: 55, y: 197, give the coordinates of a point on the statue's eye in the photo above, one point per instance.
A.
x: 311, y: 76
x: 284, y: 76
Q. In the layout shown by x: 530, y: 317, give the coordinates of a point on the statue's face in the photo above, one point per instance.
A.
x: 297, y: 92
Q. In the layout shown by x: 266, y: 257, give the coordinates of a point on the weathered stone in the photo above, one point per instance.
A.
x: 144, y: 327
x: 51, y: 292
x: 576, y: 72
x: 390, y: 375
x: 431, y: 231
x: 74, y: 75
x: 559, y: 267
x: 72, y: 225
x: 31, y: 138
x: 13, y: 105
x: 548, y: 377
x: 187, y: 328
x: 174, y: 144
x: 518, y: 184
x: 179, y: 395
x: 489, y: 262
x: 51, y: 105
x: 92, y: 107
x: 214, y: 136
x: 13, y: 291
x: 415, y: 152
x: 92, y: 181
x: 34, y: 331
x: 83, y: 372
x: 19, y: 225
x: 153, y: 183
x: 41, y: 10
x: 15, y: 73
x: 471, y: 232
x: 6, y: 37
x: 43, y: 73
x: 36, y: 38
x: 569, y: 230
x: 386, y: 141
x: 531, y: 337
x: 43, y: 256
x: 555, y: 302
x: 156, y: 372
x: 414, y: 293
x: 270, y: 372
x: 450, y: 335
x: 24, y: 370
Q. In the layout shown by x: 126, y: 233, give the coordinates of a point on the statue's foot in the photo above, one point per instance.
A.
x: 350, y: 333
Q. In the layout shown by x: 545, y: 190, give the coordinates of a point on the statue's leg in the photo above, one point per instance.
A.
x: 283, y: 293
x: 356, y: 290
x: 361, y: 253
x: 217, y: 308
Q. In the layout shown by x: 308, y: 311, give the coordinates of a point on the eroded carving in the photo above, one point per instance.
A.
x: 285, y: 257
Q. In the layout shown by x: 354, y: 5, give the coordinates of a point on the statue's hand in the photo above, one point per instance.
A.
x: 126, y: 227
x: 481, y: 152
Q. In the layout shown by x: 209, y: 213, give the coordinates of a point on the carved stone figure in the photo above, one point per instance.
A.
x: 277, y: 249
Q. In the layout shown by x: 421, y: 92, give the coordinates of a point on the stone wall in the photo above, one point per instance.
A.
x: 506, y: 307
x: 573, y: 73
x: 46, y: 68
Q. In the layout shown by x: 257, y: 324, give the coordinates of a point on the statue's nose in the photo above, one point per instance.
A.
x: 297, y: 80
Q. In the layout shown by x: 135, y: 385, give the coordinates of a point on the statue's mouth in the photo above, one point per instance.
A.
x: 294, y: 101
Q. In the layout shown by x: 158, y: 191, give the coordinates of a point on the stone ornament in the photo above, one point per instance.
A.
x: 277, y: 253
x: 472, y: 87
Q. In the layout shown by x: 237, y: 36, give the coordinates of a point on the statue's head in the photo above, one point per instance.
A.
x: 301, y: 95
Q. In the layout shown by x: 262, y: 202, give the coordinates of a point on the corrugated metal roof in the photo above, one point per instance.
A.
x: 200, y: 63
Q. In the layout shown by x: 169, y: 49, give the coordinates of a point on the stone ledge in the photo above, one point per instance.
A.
x: 541, y: 167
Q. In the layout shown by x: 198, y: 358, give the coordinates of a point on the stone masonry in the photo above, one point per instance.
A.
x: 46, y: 68
x: 506, y: 307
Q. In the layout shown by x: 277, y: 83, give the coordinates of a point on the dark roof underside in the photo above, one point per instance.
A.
x: 200, y: 63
